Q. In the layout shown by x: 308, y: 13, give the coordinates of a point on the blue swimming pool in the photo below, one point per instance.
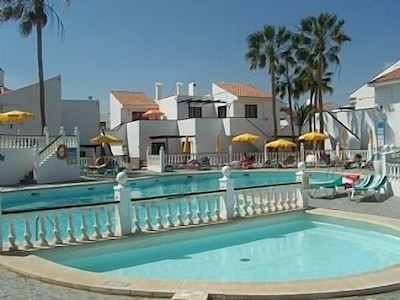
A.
x: 293, y: 246
x: 30, y: 198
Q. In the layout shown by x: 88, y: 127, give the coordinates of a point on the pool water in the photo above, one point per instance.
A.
x: 293, y: 246
x: 140, y: 188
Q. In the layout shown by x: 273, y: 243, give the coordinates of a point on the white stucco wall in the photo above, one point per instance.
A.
x: 115, y: 112
x: 16, y: 164
x: 27, y: 99
x: 360, y: 122
x: 57, y: 170
x: 85, y: 114
x: 139, y: 133
x: 169, y: 107
x: 386, y: 94
x: 364, y: 97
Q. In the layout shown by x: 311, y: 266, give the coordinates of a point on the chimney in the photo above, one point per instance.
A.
x: 179, y: 88
x: 158, y: 86
x: 192, y: 89
x: 90, y: 97
x: 1, y: 77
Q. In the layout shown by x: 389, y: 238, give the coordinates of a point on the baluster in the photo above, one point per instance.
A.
x: 27, y: 234
x: 208, y: 211
x: 83, y: 228
x: 279, y: 199
x: 11, y: 235
x: 189, y: 210
x: 237, y: 205
x: 179, y: 213
x: 42, y: 231
x: 272, y: 203
x: 245, y: 206
x: 286, y: 200
x: 252, y: 204
x: 262, y: 206
x: 147, y: 217
x: 198, y: 211
x: 70, y: 228
x: 96, y: 225
x: 158, y: 216
x: 136, y: 220
x: 169, y: 215
x: 217, y: 210
x: 266, y: 201
x: 299, y: 200
x: 110, y: 233
x: 56, y: 230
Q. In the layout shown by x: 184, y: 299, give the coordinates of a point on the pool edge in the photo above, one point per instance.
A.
x: 383, y: 280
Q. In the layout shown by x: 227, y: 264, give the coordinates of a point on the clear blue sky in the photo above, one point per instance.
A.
x: 131, y: 44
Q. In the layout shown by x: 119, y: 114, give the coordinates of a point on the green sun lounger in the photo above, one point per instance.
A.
x: 375, y: 185
x: 330, y: 187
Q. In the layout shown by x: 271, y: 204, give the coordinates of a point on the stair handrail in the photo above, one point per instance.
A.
x: 49, y: 150
x: 49, y: 145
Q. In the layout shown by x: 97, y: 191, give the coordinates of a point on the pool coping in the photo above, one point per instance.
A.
x: 384, y: 280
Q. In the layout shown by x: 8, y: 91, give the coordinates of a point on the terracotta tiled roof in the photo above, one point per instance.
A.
x: 394, y: 75
x: 133, y: 98
x: 243, y: 89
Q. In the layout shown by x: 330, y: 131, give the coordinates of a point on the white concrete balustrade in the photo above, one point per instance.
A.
x: 21, y: 141
x: 122, y: 216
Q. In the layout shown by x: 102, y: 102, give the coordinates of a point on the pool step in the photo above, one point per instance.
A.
x: 190, y: 295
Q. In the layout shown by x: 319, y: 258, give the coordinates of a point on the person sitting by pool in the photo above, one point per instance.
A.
x: 241, y: 162
x: 249, y: 163
x: 353, y: 163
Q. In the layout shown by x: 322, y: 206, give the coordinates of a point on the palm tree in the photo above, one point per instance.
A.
x: 321, y: 37
x: 287, y: 74
x: 301, y: 114
x: 265, y: 47
x: 33, y: 14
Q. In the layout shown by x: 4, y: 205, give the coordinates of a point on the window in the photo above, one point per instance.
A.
x: 194, y: 112
x: 155, y: 148
x: 138, y: 116
x: 222, y: 112
x: 250, y: 111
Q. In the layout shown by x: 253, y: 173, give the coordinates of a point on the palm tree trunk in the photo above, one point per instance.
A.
x: 311, y: 114
x: 291, y: 111
x: 274, y: 113
x: 39, y: 45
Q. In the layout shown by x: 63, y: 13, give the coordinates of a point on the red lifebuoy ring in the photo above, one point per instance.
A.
x: 61, y: 151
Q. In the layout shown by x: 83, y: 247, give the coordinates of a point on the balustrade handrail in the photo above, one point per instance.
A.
x: 181, y: 195
x: 166, y: 197
x: 49, y: 145
x: 38, y: 210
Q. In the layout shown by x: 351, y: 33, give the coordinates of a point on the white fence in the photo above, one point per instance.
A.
x: 121, y: 216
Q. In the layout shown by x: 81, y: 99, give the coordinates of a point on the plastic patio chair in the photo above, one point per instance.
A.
x: 377, y: 183
x: 326, y: 186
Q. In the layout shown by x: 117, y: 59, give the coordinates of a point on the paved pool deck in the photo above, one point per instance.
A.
x: 14, y: 286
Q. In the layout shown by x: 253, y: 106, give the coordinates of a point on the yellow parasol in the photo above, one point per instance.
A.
x: 15, y: 116
x: 246, y: 137
x: 153, y: 113
x: 186, y: 145
x: 281, y: 143
x: 106, y: 138
x: 313, y: 136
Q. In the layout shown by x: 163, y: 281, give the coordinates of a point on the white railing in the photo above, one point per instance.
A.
x: 47, y: 227
x: 58, y: 226
x: 266, y: 200
x: 21, y: 141
x: 393, y: 171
